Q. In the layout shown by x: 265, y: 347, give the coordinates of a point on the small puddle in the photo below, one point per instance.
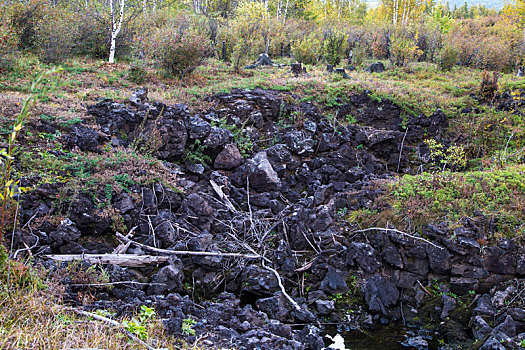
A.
x: 389, y: 337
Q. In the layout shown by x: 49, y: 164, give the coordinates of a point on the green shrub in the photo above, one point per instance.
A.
x: 8, y: 44
x: 55, y: 37
x: 496, y: 54
x: 137, y: 73
x: 448, y: 58
x: 307, y: 50
x: 379, y: 45
x: 25, y: 18
x: 178, y: 53
x: 8, y: 39
x: 403, y: 50
x: 250, y: 32
x: 334, y: 46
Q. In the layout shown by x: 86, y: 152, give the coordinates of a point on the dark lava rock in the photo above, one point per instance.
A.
x: 281, y: 159
x: 263, y: 60
x: 66, y: 233
x: 261, y: 175
x: 198, y: 208
x: 165, y: 232
x: 365, y: 255
x: 83, y: 214
x: 391, y: 256
x: 325, y: 307
x: 480, y: 327
x: 493, y: 344
x: 418, y: 343
x: 276, y: 307
x: 124, y: 203
x: 449, y: 304
x: 342, y: 72
x: 463, y: 285
x: 508, y: 327
x: 168, y: 279
x: 139, y: 97
x: 497, y: 261
x: 310, y: 337
x: 197, y: 169
x: 334, y: 282
x: 377, y: 67
x: 380, y: 293
x: 229, y: 158
x: 84, y: 137
x: 297, y: 69
x: 197, y: 127
x: 173, y: 136
x: 484, y: 306
x: 439, y: 259
x: 217, y: 138
x: 469, y: 271
x: 299, y: 142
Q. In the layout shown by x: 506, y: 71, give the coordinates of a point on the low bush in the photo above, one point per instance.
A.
x: 8, y: 39
x: 498, y: 195
x: 56, y: 35
x: 496, y: 54
x: 334, y: 46
x: 307, y: 50
x: 251, y: 32
x: 177, y: 52
x: 25, y: 17
x: 137, y: 73
x: 448, y: 58
x: 380, y: 46
x: 403, y: 50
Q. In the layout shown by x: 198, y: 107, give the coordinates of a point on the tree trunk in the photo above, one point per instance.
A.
x: 115, y: 28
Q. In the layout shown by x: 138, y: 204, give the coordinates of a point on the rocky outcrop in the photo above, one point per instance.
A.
x: 251, y: 174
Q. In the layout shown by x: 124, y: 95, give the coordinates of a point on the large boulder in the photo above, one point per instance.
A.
x: 377, y: 67
x: 380, y: 293
x: 229, y: 158
x: 84, y: 137
x: 168, y: 279
x: 261, y: 175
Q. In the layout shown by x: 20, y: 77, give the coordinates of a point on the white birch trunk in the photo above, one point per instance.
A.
x: 286, y: 11
x: 115, y: 28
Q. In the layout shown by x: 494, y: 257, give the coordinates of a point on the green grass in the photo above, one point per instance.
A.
x: 498, y: 195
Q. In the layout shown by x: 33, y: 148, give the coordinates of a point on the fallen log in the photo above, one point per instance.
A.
x: 187, y: 252
x: 127, y: 260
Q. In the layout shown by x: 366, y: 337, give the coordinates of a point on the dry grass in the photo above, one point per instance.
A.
x: 30, y: 320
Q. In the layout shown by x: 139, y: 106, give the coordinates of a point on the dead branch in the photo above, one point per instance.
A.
x: 111, y: 322
x: 129, y: 260
x: 116, y: 283
x: 223, y: 196
x: 401, y: 150
x: 186, y: 252
x: 399, y: 232
x: 423, y: 287
x: 290, y: 299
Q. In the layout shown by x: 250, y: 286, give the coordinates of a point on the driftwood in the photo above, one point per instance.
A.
x: 128, y: 260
